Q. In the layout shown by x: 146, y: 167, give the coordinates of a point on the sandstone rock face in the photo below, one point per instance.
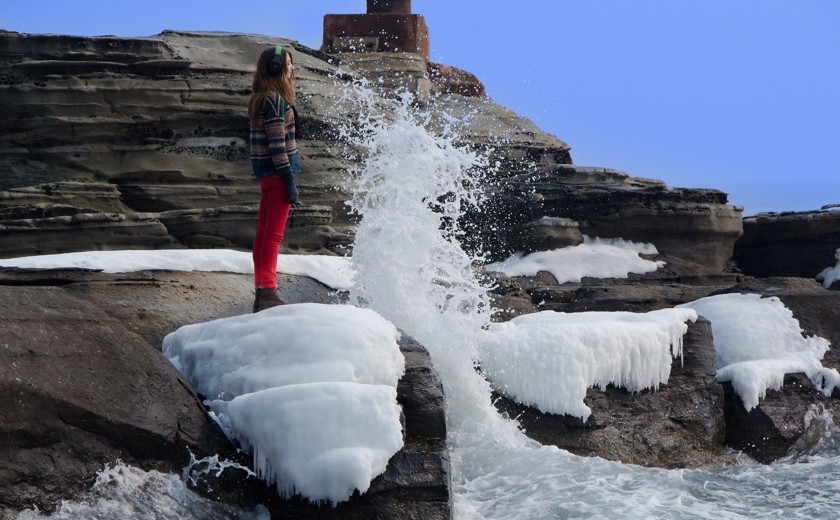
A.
x: 695, y: 227
x: 79, y: 390
x: 394, y: 71
x: 82, y: 383
x: 789, y: 244
x: 452, y: 80
x: 680, y: 425
x: 150, y: 134
x: 88, y: 231
x: 129, y: 131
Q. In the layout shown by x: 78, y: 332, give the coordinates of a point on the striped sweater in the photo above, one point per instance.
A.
x: 273, y: 145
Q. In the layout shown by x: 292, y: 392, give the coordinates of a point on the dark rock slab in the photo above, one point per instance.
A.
x: 421, y: 395
x: 797, y: 244
x: 777, y: 426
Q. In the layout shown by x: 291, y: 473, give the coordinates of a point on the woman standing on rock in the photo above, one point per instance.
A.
x: 274, y: 159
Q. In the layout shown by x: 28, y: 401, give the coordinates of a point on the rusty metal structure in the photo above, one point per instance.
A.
x: 388, y: 26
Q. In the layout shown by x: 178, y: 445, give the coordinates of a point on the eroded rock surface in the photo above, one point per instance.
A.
x: 141, y: 142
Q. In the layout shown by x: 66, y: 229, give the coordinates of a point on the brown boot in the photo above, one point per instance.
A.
x: 266, y: 298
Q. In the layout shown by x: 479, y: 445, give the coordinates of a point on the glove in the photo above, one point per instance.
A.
x: 291, y: 189
x: 291, y: 193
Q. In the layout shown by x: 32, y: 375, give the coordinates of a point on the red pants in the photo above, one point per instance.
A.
x: 274, y: 211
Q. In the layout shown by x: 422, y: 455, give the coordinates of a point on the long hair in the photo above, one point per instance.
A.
x: 265, y: 82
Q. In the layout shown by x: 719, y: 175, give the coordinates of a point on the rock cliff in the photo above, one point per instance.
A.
x: 140, y: 143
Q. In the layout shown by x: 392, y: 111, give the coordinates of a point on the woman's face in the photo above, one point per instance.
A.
x: 290, y: 67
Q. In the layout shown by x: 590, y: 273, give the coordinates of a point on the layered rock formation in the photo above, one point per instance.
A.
x: 789, y: 244
x: 121, y: 143
x: 141, y: 142
x: 695, y: 228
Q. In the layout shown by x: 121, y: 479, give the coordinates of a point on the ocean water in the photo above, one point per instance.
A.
x: 124, y: 492
x: 412, y: 270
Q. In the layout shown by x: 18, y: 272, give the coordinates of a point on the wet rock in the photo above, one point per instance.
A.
x: 775, y: 428
x: 680, y: 425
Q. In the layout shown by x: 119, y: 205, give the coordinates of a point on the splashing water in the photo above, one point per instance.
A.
x: 410, y: 268
x: 196, y: 470
x: 126, y: 492
x: 409, y: 265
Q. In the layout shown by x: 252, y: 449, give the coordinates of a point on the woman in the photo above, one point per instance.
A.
x: 274, y: 159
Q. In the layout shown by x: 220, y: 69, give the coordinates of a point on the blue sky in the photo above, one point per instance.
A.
x: 741, y: 96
